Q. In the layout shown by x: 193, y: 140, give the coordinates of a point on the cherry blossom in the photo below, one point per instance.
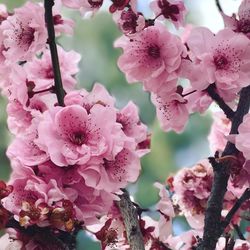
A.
x: 151, y: 56
x: 240, y: 24
x: 170, y: 9
x: 241, y: 140
x: 219, y: 132
x: 40, y: 70
x: 129, y: 21
x: 171, y: 110
x: 24, y: 32
x: 192, y: 187
x: 84, y: 6
x: 222, y: 59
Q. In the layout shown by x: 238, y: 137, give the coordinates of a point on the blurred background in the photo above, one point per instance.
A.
x: 94, y: 39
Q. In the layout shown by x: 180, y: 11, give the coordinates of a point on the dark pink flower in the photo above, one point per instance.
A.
x: 192, y: 187
x: 170, y: 9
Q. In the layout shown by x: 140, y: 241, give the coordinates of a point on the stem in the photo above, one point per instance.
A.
x: 60, y: 93
x: 211, y: 90
x: 244, y: 197
x: 130, y: 219
x: 218, y: 5
x: 238, y: 231
x: 189, y: 93
x: 44, y: 90
x: 44, y: 236
x: 213, y: 225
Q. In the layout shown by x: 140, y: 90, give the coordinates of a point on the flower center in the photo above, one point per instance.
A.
x: 154, y: 51
x: 77, y: 138
x: 26, y: 35
x: 221, y: 62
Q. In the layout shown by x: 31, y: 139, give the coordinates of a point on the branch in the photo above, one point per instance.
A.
x: 130, y: 219
x: 60, y: 93
x: 244, y: 197
x: 44, y: 236
x: 211, y: 90
x: 212, y: 228
x: 238, y: 231
x: 217, y: 2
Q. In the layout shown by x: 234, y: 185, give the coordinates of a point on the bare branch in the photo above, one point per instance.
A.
x: 211, y: 90
x: 245, y: 196
x: 60, y: 93
x: 130, y: 219
x: 213, y: 225
x: 217, y: 2
x: 238, y: 231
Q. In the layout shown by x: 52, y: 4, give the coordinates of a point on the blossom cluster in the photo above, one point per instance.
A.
x: 68, y: 161
x: 72, y: 160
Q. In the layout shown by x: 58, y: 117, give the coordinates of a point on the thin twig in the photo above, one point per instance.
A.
x: 60, y: 93
x: 212, y: 227
x: 130, y: 219
x: 244, y: 197
x: 211, y: 90
x: 238, y: 231
x: 230, y: 245
x: 219, y: 6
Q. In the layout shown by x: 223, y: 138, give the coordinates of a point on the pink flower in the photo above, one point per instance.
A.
x: 45, y: 188
x: 128, y: 117
x: 199, y: 101
x: 72, y: 136
x: 98, y: 95
x: 185, y: 241
x: 171, y: 111
x: 62, y: 24
x: 166, y: 209
x: 24, y: 150
x: 111, y: 175
x: 243, y: 22
x: 192, y: 187
x: 222, y: 59
x: 84, y: 5
x: 9, y: 244
x: 170, y: 9
x: 40, y: 70
x: 129, y: 21
x: 241, y: 141
x: 151, y: 56
x: 122, y: 4
x: 3, y: 13
x: 24, y: 32
x: 219, y: 130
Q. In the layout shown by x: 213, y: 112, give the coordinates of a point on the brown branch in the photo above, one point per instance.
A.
x: 211, y: 90
x: 244, y: 197
x: 44, y: 236
x: 60, y: 93
x: 238, y: 231
x: 130, y: 219
x: 230, y: 245
x: 212, y: 227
